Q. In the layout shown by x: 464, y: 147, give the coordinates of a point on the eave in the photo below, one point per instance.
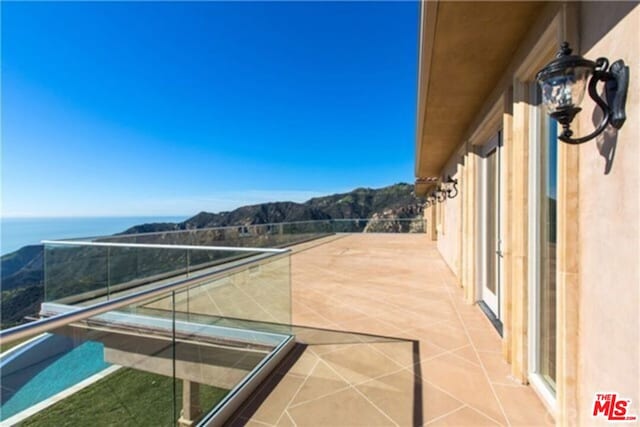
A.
x: 464, y: 49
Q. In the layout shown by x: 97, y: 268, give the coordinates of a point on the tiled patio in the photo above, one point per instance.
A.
x: 447, y: 370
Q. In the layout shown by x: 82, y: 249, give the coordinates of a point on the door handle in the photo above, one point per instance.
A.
x: 499, y: 253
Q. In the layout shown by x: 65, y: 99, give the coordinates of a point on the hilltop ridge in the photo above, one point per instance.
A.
x: 394, y: 201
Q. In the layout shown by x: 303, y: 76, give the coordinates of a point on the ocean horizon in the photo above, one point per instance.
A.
x: 16, y: 232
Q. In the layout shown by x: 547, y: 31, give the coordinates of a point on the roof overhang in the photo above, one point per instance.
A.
x: 465, y: 47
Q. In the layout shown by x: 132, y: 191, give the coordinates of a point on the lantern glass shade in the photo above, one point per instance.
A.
x: 564, y: 89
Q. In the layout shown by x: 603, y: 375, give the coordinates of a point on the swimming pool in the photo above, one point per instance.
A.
x: 46, y: 368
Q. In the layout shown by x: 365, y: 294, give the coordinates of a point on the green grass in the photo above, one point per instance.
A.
x: 125, y: 398
x: 4, y: 347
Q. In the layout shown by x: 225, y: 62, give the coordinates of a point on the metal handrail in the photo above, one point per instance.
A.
x: 50, y: 323
x: 231, y: 227
x: 159, y: 246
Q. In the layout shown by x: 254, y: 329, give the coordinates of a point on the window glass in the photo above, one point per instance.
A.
x: 547, y: 236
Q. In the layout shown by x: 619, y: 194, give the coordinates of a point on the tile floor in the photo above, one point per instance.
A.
x: 444, y: 366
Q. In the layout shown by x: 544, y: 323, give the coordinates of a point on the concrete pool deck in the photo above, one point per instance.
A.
x: 448, y: 370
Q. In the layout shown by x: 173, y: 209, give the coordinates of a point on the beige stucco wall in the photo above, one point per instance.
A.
x: 450, y: 226
x: 599, y: 288
x: 429, y: 215
x: 609, y: 221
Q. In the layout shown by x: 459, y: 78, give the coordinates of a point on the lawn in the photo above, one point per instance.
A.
x: 125, y: 398
x: 4, y: 347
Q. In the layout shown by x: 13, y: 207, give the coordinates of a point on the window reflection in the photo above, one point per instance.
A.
x: 548, y: 228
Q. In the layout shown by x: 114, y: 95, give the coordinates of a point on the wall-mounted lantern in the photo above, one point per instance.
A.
x: 563, y: 82
x: 426, y: 179
x: 450, y: 186
x: 441, y: 195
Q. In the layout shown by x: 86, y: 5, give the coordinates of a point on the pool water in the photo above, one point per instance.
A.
x: 49, y: 377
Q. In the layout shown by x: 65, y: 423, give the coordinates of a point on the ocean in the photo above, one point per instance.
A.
x: 18, y: 232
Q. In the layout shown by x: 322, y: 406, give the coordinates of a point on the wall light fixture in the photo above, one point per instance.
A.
x: 563, y: 82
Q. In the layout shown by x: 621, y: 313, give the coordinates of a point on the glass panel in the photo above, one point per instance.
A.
x: 73, y: 274
x: 274, y: 235
x: 547, y: 287
x: 260, y: 292
x: 123, y: 373
x: 84, y: 274
x: 565, y: 90
x: 491, y: 219
x: 132, y: 269
x: 132, y: 367
x: 55, y: 362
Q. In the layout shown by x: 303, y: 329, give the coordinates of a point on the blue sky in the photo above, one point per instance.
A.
x: 160, y: 108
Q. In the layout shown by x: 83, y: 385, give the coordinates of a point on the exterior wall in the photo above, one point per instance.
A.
x: 450, y: 226
x: 469, y: 235
x: 429, y: 214
x: 609, y: 221
x: 598, y: 267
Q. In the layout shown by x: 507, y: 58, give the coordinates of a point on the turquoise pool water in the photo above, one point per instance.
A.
x: 51, y: 377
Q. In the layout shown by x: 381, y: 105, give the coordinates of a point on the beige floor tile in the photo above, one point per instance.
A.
x: 286, y: 421
x: 401, y: 352
x: 486, y: 339
x: 473, y: 318
x: 394, y: 394
x: 270, y: 411
x: 464, y: 381
x: 329, y: 348
x: 409, y: 319
x: 498, y: 370
x: 322, y: 381
x: 522, y: 406
x: 360, y: 363
x: 313, y: 319
x: 436, y: 403
x: 369, y: 325
x: 429, y: 350
x: 344, y: 408
x: 303, y: 366
x: 445, y: 335
x: 393, y: 285
x: 464, y: 417
x: 469, y: 354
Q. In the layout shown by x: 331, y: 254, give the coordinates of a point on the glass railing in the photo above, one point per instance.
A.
x: 146, y: 353
x: 158, y: 334
x: 259, y: 293
x: 83, y: 273
x: 87, y: 270
x: 270, y: 235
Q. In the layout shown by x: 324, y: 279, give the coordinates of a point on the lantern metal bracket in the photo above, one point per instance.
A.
x: 616, y: 81
x: 452, y: 187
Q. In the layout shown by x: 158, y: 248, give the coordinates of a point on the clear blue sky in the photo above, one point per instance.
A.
x: 172, y: 108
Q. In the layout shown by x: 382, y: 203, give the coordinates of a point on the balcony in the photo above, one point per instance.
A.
x: 343, y: 328
x: 450, y: 371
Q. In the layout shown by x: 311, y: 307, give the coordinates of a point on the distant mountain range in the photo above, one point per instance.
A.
x: 395, y: 201
x: 22, y: 270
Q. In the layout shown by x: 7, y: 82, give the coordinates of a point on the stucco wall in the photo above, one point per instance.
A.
x: 450, y: 227
x: 606, y: 309
x: 609, y: 221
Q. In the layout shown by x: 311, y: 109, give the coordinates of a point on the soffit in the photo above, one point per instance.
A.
x: 462, y: 59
